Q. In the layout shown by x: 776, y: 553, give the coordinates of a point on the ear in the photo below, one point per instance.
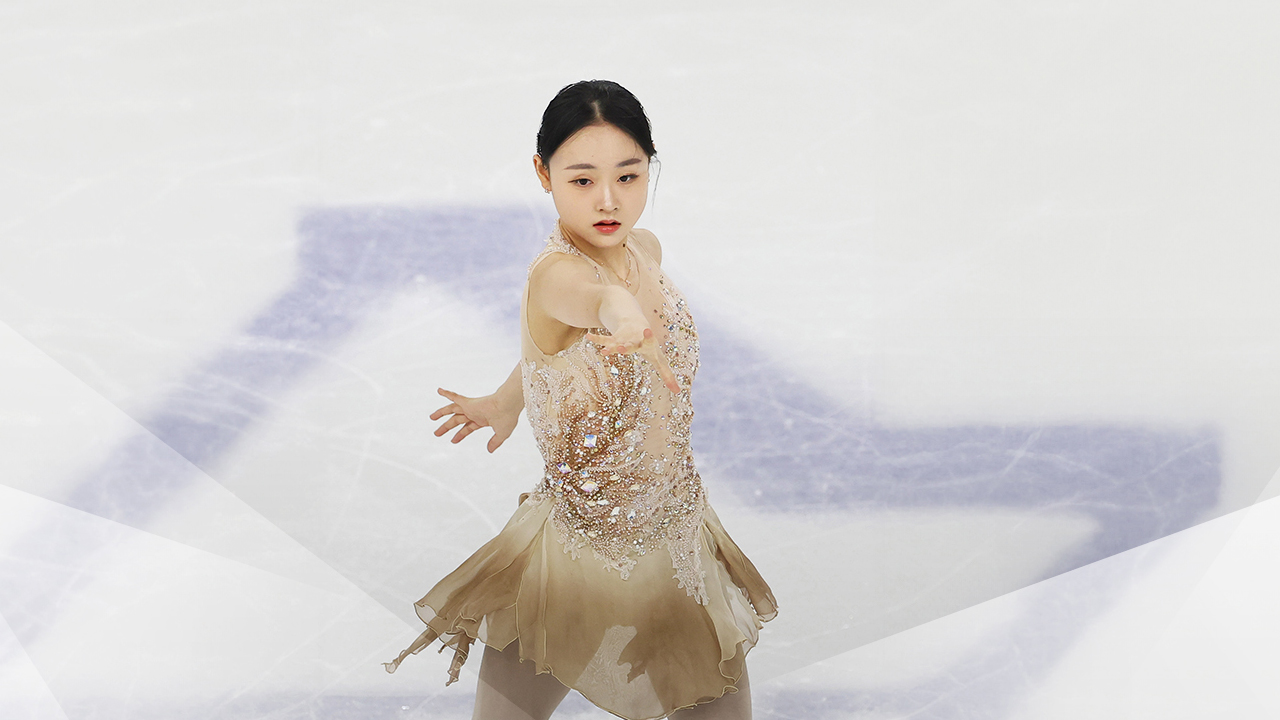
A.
x: 544, y: 174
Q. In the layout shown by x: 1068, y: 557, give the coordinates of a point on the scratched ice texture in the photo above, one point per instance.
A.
x: 986, y: 306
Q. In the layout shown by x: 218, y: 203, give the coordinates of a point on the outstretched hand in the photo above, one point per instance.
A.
x: 628, y: 340
x: 475, y: 413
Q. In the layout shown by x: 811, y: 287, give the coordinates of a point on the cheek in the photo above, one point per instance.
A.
x: 573, y: 205
x: 639, y: 194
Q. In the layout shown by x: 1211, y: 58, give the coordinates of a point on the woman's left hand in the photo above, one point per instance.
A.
x: 624, y: 342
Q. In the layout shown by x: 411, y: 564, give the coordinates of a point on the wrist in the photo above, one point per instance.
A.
x: 619, y: 310
x: 629, y: 325
x: 509, y: 399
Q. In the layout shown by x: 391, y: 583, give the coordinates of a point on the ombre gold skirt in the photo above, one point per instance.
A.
x: 639, y: 648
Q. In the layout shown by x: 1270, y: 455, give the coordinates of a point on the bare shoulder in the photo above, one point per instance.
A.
x: 560, y: 269
x: 564, y: 292
x: 650, y: 243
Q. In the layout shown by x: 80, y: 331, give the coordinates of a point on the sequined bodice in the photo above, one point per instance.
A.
x: 614, y: 439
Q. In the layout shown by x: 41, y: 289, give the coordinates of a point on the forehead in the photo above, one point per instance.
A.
x: 601, y: 143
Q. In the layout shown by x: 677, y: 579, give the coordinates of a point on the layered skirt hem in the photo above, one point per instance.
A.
x: 639, y: 648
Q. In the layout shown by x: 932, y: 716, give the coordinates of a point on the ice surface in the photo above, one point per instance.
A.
x: 987, y: 306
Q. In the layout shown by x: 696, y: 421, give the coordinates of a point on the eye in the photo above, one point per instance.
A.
x: 629, y: 177
x: 581, y: 182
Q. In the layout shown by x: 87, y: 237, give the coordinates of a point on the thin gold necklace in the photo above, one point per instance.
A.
x: 631, y: 261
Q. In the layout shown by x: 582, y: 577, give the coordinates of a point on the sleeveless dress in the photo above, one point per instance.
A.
x: 614, y: 573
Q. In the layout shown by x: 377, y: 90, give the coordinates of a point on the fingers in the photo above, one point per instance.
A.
x: 455, y: 397
x: 453, y: 422
x: 449, y: 424
x: 610, y: 345
x: 664, y: 371
x: 501, y: 433
x: 452, y: 407
x: 495, y: 442
x: 466, y: 430
x: 669, y: 379
x: 441, y: 412
x: 648, y: 347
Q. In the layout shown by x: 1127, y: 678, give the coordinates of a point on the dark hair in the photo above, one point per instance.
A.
x: 592, y: 102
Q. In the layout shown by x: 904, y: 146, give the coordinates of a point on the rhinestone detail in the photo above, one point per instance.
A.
x: 609, y: 421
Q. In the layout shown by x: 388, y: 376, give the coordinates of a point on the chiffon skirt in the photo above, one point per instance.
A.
x: 639, y: 648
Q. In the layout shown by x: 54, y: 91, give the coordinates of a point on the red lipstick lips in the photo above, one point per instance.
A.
x: 608, y: 227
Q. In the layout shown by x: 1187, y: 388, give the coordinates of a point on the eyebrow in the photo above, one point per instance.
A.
x: 589, y: 166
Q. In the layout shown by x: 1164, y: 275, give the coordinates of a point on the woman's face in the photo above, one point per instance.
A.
x: 599, y: 180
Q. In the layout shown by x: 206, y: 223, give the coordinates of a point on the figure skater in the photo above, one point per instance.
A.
x: 614, y: 576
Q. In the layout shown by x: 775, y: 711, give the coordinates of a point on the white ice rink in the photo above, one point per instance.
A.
x: 988, y: 297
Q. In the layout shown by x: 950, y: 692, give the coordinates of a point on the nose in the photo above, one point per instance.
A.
x: 608, y: 201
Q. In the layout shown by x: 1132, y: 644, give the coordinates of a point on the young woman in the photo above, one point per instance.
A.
x: 614, y: 576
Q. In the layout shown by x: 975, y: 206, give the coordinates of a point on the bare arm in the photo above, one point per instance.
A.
x: 510, y: 395
x: 573, y: 295
x: 567, y: 289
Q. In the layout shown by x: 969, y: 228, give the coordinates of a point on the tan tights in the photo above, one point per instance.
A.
x: 510, y: 690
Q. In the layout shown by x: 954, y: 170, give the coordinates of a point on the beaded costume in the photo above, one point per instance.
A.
x: 614, y: 573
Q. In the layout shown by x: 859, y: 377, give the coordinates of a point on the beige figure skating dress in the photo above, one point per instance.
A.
x: 614, y: 574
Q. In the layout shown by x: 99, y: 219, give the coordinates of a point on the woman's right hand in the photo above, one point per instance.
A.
x: 475, y: 413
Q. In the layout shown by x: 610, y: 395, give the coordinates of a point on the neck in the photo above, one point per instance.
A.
x: 614, y: 258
